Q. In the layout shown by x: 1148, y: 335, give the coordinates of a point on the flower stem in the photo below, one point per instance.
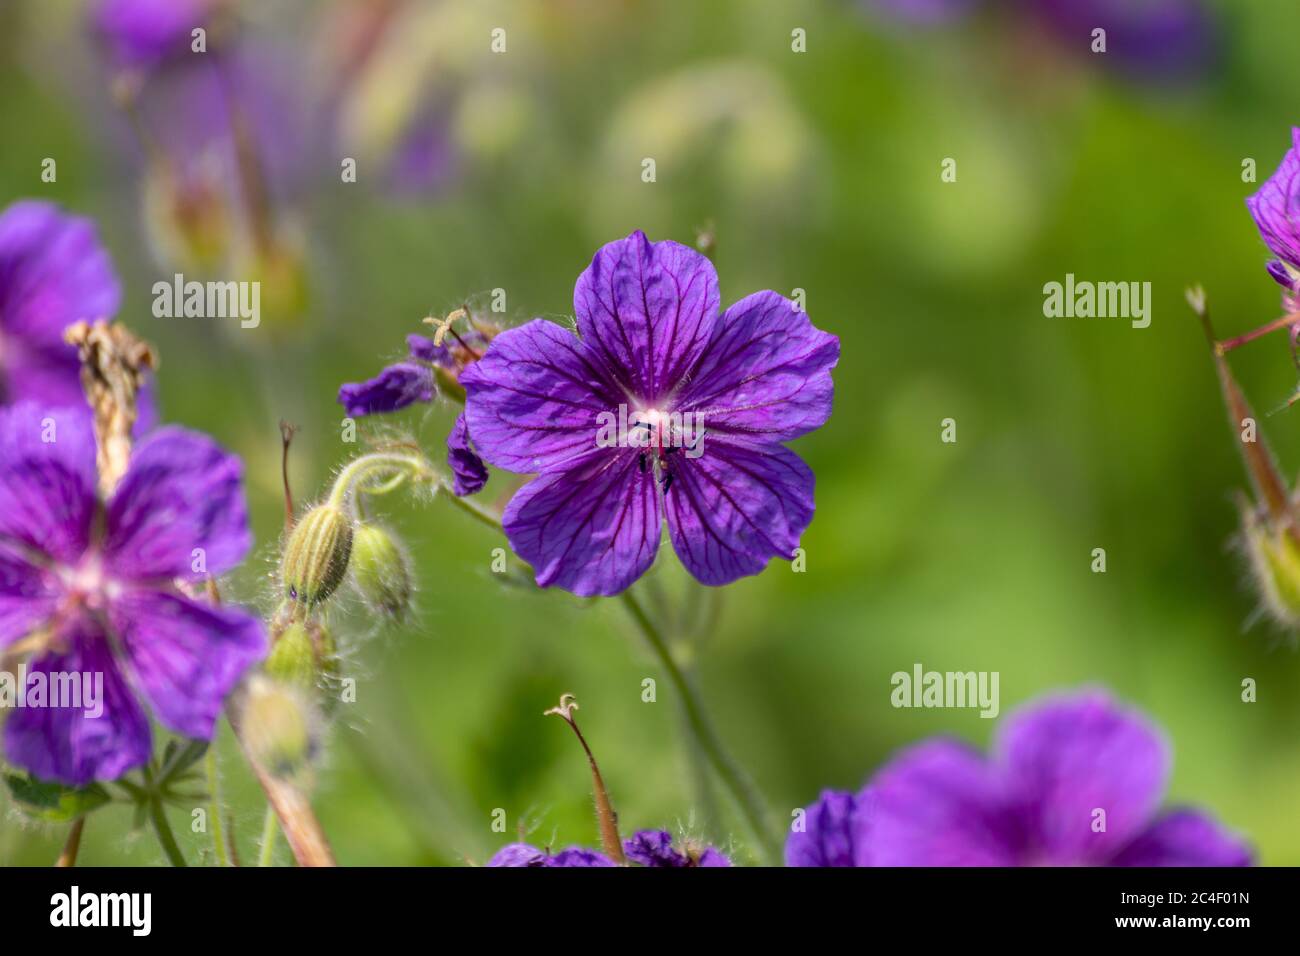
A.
x: 412, y: 465
x: 164, y: 830
x: 733, y: 778
x: 69, y: 855
x: 214, y: 806
x: 270, y: 830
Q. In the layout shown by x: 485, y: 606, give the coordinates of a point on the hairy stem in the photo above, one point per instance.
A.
x: 270, y: 830
x: 164, y: 830
x: 733, y: 778
x: 69, y: 855
x: 214, y: 806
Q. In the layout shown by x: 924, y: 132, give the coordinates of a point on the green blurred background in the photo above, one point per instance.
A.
x: 820, y: 171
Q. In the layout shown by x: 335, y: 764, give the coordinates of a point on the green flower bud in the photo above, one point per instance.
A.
x: 293, y: 658
x: 281, y: 729
x: 380, y: 570
x: 1275, y: 559
x: 316, y: 557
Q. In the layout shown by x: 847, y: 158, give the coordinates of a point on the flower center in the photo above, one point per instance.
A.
x: 86, y: 584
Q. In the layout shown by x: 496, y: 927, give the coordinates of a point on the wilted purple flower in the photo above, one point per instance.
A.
x: 1276, y: 210
x: 144, y: 33
x: 53, y: 272
x: 412, y: 380
x: 1072, y: 780
x: 90, y: 589
x: 521, y: 854
x: 653, y: 347
x: 655, y: 848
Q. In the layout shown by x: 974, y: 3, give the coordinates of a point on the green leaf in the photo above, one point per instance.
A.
x: 179, y: 756
x: 53, y: 802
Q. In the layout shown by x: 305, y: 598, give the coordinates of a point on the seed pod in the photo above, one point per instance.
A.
x: 293, y: 659
x: 316, y: 557
x: 380, y: 570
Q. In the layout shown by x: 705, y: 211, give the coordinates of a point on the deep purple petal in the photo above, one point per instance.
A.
x: 711, y: 857
x: 654, y: 848
x: 422, y: 348
x: 835, y: 832
x: 1275, y: 208
x: 395, y: 387
x: 1064, y: 758
x: 579, y: 856
x: 734, y: 508
x: 593, y: 530
x: 647, y: 309
x: 941, y: 803
x: 534, y: 399
x: 518, y: 854
x: 179, y: 512
x: 53, y: 272
x: 467, y: 468
x: 766, y: 371
x: 47, y: 487
x: 75, y: 745
x: 28, y: 595
x: 1185, y: 838
x: 185, y: 656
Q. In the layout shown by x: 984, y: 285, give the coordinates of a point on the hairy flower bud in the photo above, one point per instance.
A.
x: 281, y: 729
x: 316, y: 557
x: 380, y: 570
x: 1275, y: 560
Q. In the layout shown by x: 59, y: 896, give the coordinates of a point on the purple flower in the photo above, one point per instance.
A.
x: 653, y: 349
x: 1072, y: 780
x: 832, y: 833
x: 1157, y: 39
x: 53, y: 272
x: 411, y: 381
x: 91, y: 588
x: 1276, y: 210
x: 655, y: 848
x: 144, y: 33
x: 521, y: 854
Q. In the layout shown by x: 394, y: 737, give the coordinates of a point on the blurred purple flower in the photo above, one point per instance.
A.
x: 654, y: 345
x: 1072, y: 780
x: 1276, y: 210
x: 411, y: 381
x: 1155, y: 39
x: 53, y: 272
x: 144, y: 33
x: 93, y: 586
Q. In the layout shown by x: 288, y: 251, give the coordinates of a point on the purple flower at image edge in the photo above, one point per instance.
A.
x: 94, y: 587
x: 1275, y: 208
x: 652, y: 343
x: 143, y: 33
x: 522, y: 854
x: 1072, y: 780
x: 409, y: 382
